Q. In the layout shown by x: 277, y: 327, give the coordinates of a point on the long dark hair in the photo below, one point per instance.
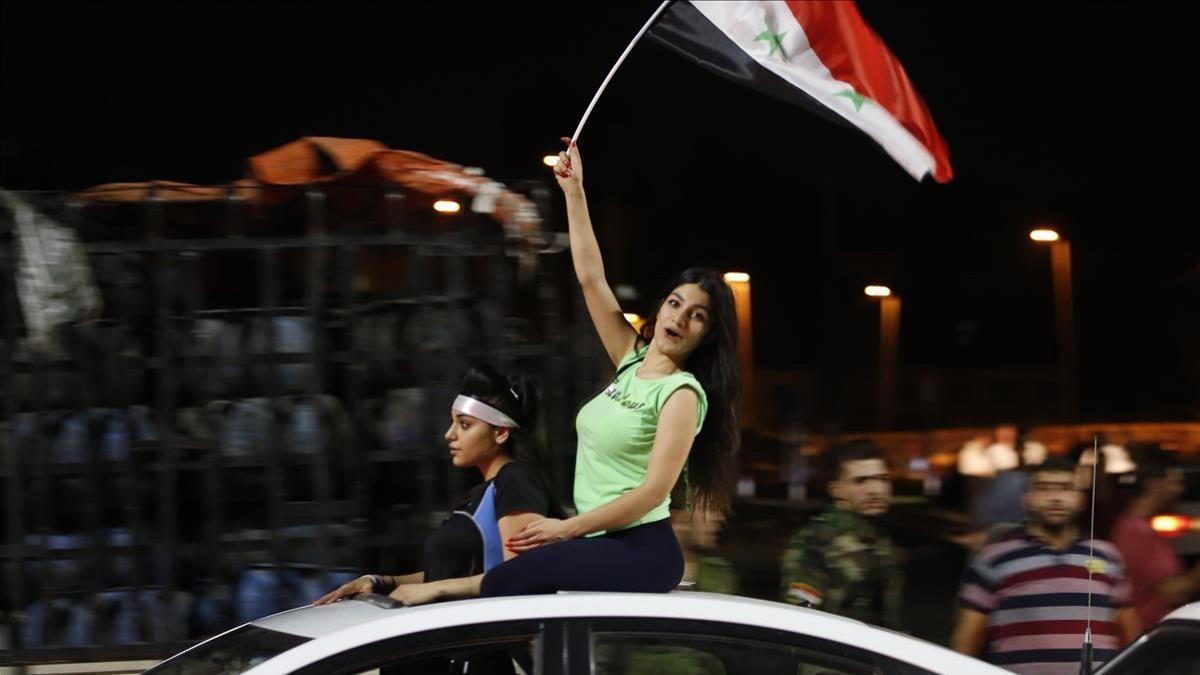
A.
x: 711, y: 463
x: 514, y: 395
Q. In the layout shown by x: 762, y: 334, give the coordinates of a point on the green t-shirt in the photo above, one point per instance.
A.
x: 616, y: 432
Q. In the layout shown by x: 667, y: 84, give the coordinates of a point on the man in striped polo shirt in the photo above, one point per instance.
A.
x: 1024, y: 601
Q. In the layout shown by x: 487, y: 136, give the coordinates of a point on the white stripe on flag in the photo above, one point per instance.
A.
x: 743, y: 20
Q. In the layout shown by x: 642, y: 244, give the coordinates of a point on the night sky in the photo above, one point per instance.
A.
x: 1070, y: 114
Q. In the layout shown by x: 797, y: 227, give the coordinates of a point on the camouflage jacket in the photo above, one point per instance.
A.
x: 840, y: 562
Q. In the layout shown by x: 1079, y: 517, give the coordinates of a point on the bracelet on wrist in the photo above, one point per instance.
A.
x: 376, y: 583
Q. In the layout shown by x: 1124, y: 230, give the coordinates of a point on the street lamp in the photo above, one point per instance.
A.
x: 739, y: 283
x: 1064, y: 317
x: 889, y: 347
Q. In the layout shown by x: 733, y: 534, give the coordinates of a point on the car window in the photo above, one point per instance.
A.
x: 234, y: 652
x: 1169, y: 649
x: 514, y: 658
x: 678, y: 653
x: 642, y: 654
x: 509, y: 648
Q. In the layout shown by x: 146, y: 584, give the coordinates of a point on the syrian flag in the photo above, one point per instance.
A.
x: 820, y: 55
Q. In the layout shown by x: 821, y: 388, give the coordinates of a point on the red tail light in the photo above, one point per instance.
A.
x: 1170, y: 525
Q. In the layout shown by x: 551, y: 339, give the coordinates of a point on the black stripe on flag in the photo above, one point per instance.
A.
x: 687, y: 32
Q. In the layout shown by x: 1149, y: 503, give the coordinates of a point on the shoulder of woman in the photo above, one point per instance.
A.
x: 682, y: 382
x: 520, y: 486
x: 515, y: 470
x: 684, y: 379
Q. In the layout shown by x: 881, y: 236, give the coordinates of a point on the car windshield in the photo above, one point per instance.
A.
x: 235, y: 652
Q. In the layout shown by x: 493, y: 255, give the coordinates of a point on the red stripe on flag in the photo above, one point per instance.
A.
x: 854, y: 54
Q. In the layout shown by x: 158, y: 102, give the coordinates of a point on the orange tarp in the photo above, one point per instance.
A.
x: 329, y: 161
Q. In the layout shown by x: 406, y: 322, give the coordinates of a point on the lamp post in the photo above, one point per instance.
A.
x: 889, y: 347
x: 1064, y: 318
x: 739, y: 283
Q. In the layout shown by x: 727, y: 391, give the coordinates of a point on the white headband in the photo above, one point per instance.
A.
x: 478, y: 409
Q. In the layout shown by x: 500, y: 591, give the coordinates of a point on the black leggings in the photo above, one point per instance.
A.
x: 644, y: 559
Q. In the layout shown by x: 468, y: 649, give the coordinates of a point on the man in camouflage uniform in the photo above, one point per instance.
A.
x: 841, y: 561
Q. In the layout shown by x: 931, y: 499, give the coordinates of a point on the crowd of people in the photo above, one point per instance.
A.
x: 1038, y: 575
x: 668, y: 420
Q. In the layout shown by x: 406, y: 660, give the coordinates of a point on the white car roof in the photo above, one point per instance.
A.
x: 347, y: 624
x: 1187, y: 613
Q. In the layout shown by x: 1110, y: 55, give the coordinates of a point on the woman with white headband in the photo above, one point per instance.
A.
x: 490, y: 418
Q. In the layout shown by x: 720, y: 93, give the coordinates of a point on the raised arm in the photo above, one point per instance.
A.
x: 615, y: 332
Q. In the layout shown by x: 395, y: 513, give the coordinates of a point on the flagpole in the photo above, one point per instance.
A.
x: 578, y: 129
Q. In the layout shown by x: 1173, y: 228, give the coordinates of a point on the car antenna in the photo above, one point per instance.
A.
x: 1085, y: 657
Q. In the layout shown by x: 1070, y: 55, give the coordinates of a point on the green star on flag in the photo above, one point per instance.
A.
x: 774, y: 39
x: 855, y: 97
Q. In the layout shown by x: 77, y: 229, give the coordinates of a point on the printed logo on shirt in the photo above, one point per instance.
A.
x: 622, y: 398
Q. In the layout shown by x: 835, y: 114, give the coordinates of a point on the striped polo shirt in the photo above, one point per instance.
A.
x: 1036, y: 599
